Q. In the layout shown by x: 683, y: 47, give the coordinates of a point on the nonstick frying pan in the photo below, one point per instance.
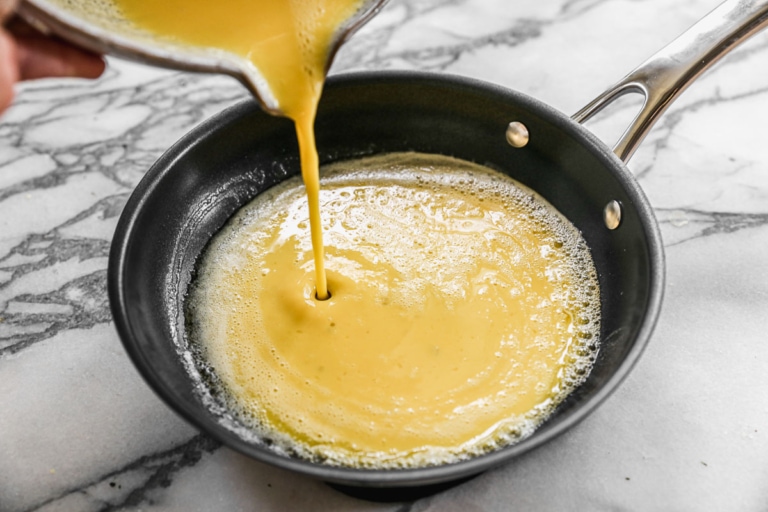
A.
x: 197, y: 185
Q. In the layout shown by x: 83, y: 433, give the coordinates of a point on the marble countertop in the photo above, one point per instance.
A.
x: 688, y: 429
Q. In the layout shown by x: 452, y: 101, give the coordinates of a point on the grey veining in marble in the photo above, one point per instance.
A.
x: 688, y: 430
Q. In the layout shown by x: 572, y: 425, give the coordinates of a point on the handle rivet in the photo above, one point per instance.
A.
x: 612, y: 214
x: 517, y: 134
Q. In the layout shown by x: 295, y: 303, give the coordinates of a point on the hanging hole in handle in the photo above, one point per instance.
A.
x: 610, y: 122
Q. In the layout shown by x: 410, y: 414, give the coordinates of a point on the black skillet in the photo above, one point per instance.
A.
x: 204, y: 178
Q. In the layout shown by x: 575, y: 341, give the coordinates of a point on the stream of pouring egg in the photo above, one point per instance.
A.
x: 287, y: 41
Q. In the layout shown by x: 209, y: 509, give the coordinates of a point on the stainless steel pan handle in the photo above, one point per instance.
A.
x: 665, y: 75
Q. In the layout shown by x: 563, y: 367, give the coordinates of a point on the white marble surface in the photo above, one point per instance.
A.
x: 688, y: 430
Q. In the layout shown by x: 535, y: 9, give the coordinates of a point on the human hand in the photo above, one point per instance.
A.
x: 26, y: 54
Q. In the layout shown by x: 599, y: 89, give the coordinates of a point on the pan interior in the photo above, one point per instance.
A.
x: 206, y: 177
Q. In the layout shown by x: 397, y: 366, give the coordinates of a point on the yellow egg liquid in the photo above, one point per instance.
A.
x: 463, y: 309
x: 287, y: 41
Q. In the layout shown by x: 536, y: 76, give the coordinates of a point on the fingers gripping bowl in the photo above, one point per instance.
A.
x: 207, y: 176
